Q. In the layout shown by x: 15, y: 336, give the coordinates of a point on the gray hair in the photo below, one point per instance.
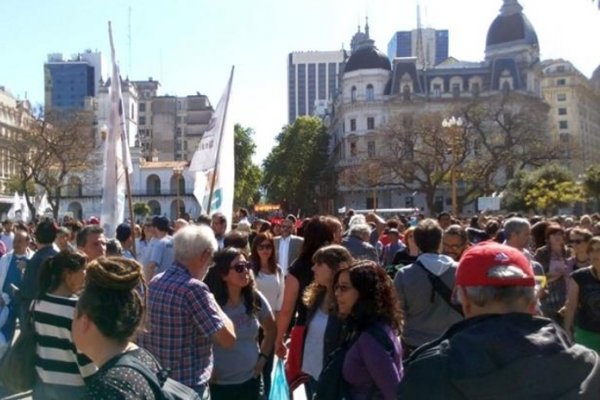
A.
x: 515, y: 225
x: 360, y: 230
x: 357, y: 219
x: 192, y: 240
x: 511, y: 296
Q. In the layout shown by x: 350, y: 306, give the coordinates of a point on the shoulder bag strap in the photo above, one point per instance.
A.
x: 440, y: 288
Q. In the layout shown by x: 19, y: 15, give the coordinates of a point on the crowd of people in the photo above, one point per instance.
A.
x: 358, y: 307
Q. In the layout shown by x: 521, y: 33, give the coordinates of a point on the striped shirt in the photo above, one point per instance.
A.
x: 57, y: 361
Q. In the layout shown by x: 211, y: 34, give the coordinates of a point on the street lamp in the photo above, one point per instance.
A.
x: 453, y: 125
x: 178, y: 171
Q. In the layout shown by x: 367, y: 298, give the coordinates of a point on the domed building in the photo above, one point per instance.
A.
x: 374, y: 90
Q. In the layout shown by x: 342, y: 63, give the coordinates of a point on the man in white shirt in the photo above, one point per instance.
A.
x: 7, y: 235
x: 287, y: 246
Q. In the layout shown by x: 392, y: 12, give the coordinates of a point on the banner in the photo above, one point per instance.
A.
x: 117, y: 159
x: 213, y: 162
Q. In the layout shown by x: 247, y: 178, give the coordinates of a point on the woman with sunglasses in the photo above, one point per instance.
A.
x: 269, y: 281
x: 237, y: 371
x: 582, y: 314
x: 367, y: 300
x: 578, y: 240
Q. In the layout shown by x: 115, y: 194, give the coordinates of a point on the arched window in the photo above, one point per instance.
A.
x: 74, y: 187
x: 353, y: 94
x: 175, y: 204
x: 154, y: 207
x: 506, y: 87
x: 153, y: 185
x: 370, y: 92
x: 406, y: 93
x: 177, y: 184
x: 75, y: 209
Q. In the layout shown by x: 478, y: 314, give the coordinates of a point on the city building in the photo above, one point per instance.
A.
x: 313, y: 77
x: 574, y: 113
x: 14, y: 116
x: 71, y: 84
x: 428, y: 43
x: 147, y: 90
x: 374, y: 90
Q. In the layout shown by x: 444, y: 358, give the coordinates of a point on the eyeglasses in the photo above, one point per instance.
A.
x: 577, y: 241
x: 341, y: 288
x: 241, y: 266
x: 264, y: 247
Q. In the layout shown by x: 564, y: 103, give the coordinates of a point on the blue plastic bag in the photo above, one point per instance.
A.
x: 279, y: 385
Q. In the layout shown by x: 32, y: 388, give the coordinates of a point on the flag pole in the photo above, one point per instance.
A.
x: 214, y: 175
x: 130, y: 203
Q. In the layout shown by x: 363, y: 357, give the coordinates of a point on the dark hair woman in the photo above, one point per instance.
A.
x: 60, y: 369
x: 582, y: 315
x: 317, y: 233
x: 269, y: 281
x: 109, y: 313
x: 367, y: 299
x: 237, y: 371
x: 553, y: 258
x: 322, y: 327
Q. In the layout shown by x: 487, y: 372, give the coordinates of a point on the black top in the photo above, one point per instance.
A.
x: 404, y: 258
x: 301, y: 270
x: 117, y: 382
x: 588, y: 312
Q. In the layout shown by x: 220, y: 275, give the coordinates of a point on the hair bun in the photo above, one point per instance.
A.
x: 114, y: 273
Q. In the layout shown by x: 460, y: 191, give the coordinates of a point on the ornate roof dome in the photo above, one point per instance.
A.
x: 511, y: 26
x: 367, y: 57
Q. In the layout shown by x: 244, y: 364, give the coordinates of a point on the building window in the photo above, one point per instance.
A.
x: 142, y: 120
x: 561, y: 97
x: 437, y: 89
x: 406, y: 93
x: 371, y: 203
x: 506, y: 87
x: 353, y: 149
x: 409, y: 202
x: 371, y: 148
x: 563, y: 124
x: 564, y: 137
x: 142, y: 107
x: 561, y: 82
x: 456, y: 90
x: 562, y: 111
x: 370, y: 92
x: 370, y: 123
x: 475, y: 89
x: 353, y: 125
x: 353, y: 94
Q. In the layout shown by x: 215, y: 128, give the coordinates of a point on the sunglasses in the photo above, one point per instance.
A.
x: 241, y: 266
x: 576, y: 241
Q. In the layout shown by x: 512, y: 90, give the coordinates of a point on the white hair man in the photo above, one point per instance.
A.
x: 501, y: 349
x: 357, y: 242
x: 184, y: 318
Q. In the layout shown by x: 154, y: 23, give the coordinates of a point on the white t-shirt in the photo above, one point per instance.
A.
x: 271, y: 286
x: 312, y: 360
x: 283, y: 253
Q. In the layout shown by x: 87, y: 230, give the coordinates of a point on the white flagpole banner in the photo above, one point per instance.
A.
x: 210, y: 157
x: 25, y: 213
x: 117, y: 159
x: 16, y: 206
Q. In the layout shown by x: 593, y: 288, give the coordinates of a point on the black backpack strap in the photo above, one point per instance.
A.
x: 440, y: 288
x: 130, y: 361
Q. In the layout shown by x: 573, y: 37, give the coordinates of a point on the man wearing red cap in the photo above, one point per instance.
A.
x: 501, y: 350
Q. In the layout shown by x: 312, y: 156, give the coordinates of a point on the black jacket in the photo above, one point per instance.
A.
x: 507, y: 356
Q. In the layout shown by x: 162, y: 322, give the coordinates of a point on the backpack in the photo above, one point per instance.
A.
x: 331, y: 384
x: 164, y: 388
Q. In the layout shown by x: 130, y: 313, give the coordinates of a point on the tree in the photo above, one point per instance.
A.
x: 500, y: 136
x: 545, y: 189
x: 48, y: 149
x: 141, y: 209
x: 591, y: 183
x: 292, y: 171
x: 247, y: 174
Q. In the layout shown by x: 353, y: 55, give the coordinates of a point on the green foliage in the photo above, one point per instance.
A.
x: 591, y: 182
x: 294, y: 167
x: 544, y: 190
x: 247, y: 174
x: 141, y: 209
x: 16, y: 184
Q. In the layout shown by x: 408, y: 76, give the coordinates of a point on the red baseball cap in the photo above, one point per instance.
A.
x: 479, y: 263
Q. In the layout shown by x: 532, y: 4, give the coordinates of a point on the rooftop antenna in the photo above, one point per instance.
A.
x: 420, y: 52
x: 129, y: 36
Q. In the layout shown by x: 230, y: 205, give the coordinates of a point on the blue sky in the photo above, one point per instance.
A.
x: 190, y: 45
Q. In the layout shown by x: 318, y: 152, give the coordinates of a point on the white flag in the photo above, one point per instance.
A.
x: 216, y: 145
x: 117, y: 160
x: 16, y: 206
x: 25, y: 213
x: 43, y: 206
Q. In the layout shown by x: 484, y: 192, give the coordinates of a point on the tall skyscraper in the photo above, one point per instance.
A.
x: 312, y: 77
x: 69, y: 83
x: 406, y: 44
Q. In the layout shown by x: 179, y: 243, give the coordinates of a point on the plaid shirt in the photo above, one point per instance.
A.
x: 183, y: 315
